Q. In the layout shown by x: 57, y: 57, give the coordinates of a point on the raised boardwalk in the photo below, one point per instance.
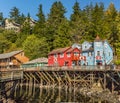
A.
x: 63, y: 77
x: 8, y: 81
x: 78, y: 76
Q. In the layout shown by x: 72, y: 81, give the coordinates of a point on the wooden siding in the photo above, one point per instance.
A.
x: 65, y: 60
x: 13, y: 61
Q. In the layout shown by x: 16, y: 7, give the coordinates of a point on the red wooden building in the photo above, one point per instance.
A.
x: 67, y: 56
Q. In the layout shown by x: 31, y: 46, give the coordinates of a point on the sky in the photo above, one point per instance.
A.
x: 31, y: 6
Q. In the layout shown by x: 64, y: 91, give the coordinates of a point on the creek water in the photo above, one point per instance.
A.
x: 37, y: 94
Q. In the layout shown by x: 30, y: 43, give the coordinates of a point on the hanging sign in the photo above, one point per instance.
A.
x: 82, y: 58
x: 98, y: 57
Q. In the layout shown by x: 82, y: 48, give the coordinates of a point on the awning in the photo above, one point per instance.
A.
x: 98, y: 60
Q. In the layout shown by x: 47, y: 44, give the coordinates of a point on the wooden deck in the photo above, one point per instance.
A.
x: 72, y: 68
x: 80, y: 76
x: 10, y: 74
x: 15, y: 74
x: 66, y: 76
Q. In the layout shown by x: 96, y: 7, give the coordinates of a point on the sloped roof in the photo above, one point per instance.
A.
x: 8, y: 55
x: 12, y: 21
x: 71, y: 49
x: 90, y: 49
x: 38, y: 60
x: 60, y: 50
x: 97, y: 39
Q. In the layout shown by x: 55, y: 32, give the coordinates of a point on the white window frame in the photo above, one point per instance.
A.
x: 68, y: 54
x: 61, y: 55
x: 89, y: 54
x: 76, y: 54
x: 55, y: 55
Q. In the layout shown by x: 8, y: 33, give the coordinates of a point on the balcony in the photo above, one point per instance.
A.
x: 75, y: 57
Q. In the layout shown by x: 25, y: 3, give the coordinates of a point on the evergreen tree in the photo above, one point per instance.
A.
x: 11, y: 36
x: 55, y: 18
x: 62, y: 36
x: 40, y: 15
x: 1, y: 19
x: 77, y: 24
x: 15, y: 15
x: 22, y: 19
x: 117, y: 43
x: 98, y: 20
x: 26, y: 28
x: 76, y: 12
x: 4, y: 44
x: 110, y: 16
x: 25, y: 31
x: 39, y: 28
x: 1, y: 16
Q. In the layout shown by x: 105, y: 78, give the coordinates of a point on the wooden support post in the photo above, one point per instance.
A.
x: 112, y: 86
x: 56, y: 77
x: 30, y: 87
x: 42, y: 79
x: 74, y: 87
x: 33, y: 94
x: 105, y: 81
x: 91, y: 80
x: 42, y: 76
x: 48, y: 95
x: 41, y: 82
x: 21, y: 85
x: 40, y: 95
x: 59, y: 94
x: 50, y: 77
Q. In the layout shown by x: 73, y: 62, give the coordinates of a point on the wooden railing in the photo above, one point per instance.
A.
x: 72, y: 68
x: 13, y: 74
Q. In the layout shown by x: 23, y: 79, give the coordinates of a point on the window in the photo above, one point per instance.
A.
x: 76, y: 53
x: 55, y: 55
x: 68, y: 54
x: 22, y: 54
x: 61, y: 55
x: 98, y: 53
x: 89, y: 53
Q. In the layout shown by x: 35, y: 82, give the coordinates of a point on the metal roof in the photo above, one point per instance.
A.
x: 8, y: 55
x: 38, y: 60
x: 60, y: 50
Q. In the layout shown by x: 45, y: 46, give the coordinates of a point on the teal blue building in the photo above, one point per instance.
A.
x: 39, y: 62
x: 98, y: 52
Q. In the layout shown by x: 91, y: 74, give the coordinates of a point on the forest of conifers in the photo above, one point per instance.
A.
x: 57, y: 31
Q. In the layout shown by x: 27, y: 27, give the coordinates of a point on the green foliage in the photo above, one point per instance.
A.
x: 39, y: 28
x: 55, y: 18
x: 117, y: 62
x: 26, y: 28
x: 15, y: 14
x: 4, y: 44
x: 62, y: 36
x: 56, y: 31
x: 11, y: 36
x: 76, y: 12
x: 1, y: 16
x: 40, y: 15
x: 35, y: 47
